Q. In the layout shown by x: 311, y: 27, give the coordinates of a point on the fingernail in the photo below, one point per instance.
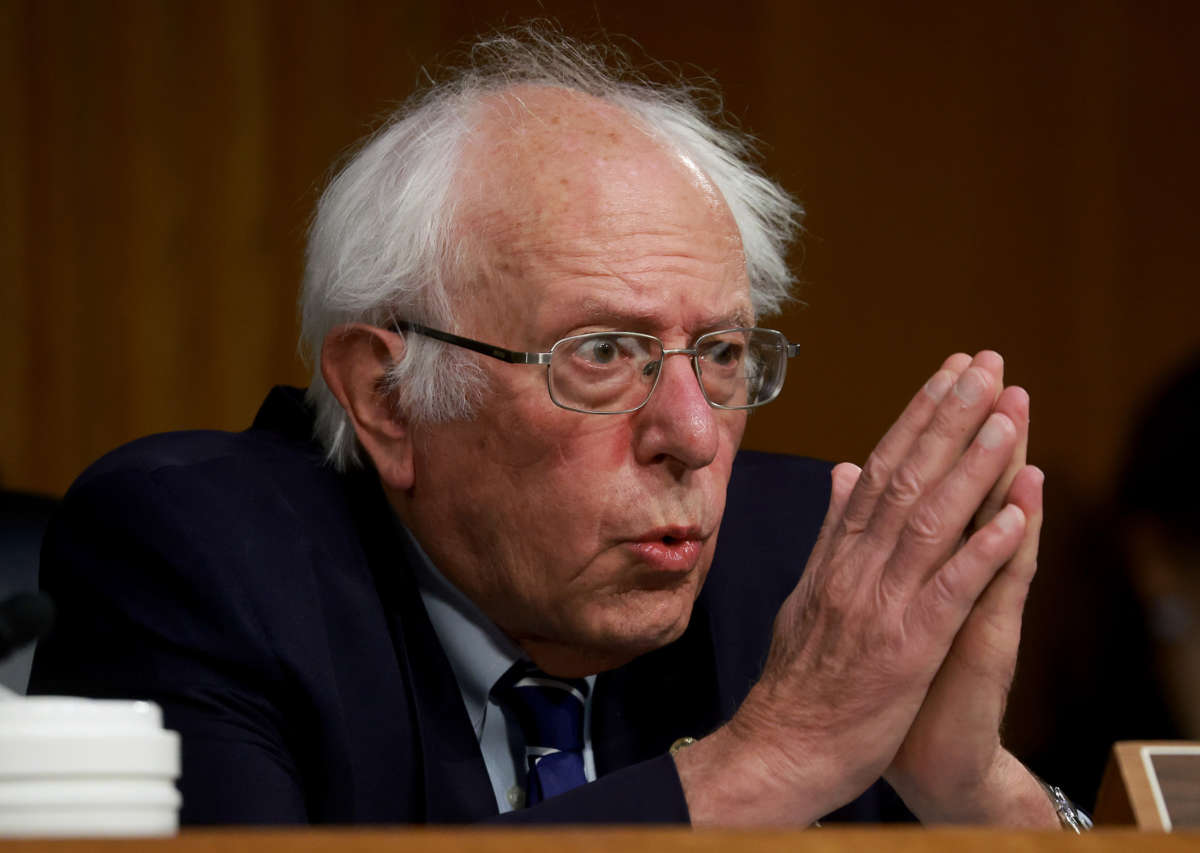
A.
x: 939, y: 384
x: 1009, y: 518
x: 969, y: 386
x: 993, y: 432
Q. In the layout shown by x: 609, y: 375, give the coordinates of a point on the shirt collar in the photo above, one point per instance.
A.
x: 478, y: 651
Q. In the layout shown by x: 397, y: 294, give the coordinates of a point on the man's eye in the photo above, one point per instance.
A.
x: 602, y: 351
x: 724, y: 352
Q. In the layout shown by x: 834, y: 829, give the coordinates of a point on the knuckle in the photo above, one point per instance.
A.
x: 926, y: 526
x: 906, y: 486
x: 943, y: 591
x: 887, y: 598
x: 840, y: 588
x: 875, y: 474
x: 837, y: 594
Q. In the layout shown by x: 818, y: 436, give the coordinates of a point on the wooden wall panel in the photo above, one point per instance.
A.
x: 1018, y: 176
x: 163, y: 162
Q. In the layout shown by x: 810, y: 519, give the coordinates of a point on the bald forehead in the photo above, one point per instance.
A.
x: 541, y: 156
x: 539, y: 120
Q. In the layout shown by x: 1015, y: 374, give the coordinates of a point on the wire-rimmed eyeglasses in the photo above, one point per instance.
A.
x: 614, y: 373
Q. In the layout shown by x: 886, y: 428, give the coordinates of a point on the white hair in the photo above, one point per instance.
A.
x: 381, y: 246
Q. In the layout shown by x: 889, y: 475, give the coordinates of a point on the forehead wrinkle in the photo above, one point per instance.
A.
x: 620, y: 238
x: 589, y: 309
x: 637, y: 270
x: 619, y: 258
x: 608, y: 221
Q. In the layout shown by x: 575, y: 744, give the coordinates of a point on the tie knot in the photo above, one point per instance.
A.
x: 548, y: 709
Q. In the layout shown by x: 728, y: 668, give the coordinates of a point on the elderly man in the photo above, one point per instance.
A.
x: 496, y: 587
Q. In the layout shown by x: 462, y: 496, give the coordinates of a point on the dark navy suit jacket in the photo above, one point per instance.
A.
x: 266, y: 603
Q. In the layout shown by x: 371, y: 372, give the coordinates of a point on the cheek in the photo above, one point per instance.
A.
x: 552, y: 446
x: 585, y: 483
x: 544, y: 485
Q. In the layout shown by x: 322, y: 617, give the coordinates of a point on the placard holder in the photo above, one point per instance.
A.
x: 1154, y: 785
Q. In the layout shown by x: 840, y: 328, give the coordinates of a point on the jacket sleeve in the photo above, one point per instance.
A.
x: 142, y: 613
x: 649, y: 792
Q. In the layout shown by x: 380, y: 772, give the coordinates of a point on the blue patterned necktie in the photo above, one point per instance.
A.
x: 549, y: 711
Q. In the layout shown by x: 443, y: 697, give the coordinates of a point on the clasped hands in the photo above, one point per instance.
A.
x: 894, y: 654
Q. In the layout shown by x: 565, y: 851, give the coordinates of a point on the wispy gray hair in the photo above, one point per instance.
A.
x: 381, y: 245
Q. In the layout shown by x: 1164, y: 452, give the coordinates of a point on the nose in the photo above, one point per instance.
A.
x: 676, y: 426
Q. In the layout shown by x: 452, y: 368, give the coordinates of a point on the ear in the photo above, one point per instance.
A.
x: 354, y: 360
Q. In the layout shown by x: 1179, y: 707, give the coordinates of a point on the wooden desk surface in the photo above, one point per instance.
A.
x: 825, y: 840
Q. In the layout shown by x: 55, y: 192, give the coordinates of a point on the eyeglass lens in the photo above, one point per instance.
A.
x: 613, y: 372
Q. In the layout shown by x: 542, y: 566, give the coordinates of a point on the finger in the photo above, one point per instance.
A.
x: 932, y: 530
x: 994, y: 624
x: 843, y: 477
x: 1026, y: 492
x: 993, y: 363
x: 899, y: 438
x: 956, y: 363
x: 949, y: 595
x: 1014, y: 402
x: 937, y: 448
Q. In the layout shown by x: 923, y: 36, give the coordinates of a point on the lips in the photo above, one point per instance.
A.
x: 669, y: 549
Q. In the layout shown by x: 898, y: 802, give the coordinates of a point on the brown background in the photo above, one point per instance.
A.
x: 1020, y: 175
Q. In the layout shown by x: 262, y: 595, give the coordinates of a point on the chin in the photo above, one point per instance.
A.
x: 607, y: 633
x: 622, y: 636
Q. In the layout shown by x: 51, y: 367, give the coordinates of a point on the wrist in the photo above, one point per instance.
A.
x: 1005, y: 794
x: 1070, y: 817
x: 734, y: 778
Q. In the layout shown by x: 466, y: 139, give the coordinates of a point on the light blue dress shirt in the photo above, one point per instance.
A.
x: 480, y: 653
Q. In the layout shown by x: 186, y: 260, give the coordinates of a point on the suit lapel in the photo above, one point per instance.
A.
x: 454, y: 776
x: 640, y: 709
x: 457, y: 788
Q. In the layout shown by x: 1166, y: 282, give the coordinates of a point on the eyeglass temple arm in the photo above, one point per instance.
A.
x: 511, y: 356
